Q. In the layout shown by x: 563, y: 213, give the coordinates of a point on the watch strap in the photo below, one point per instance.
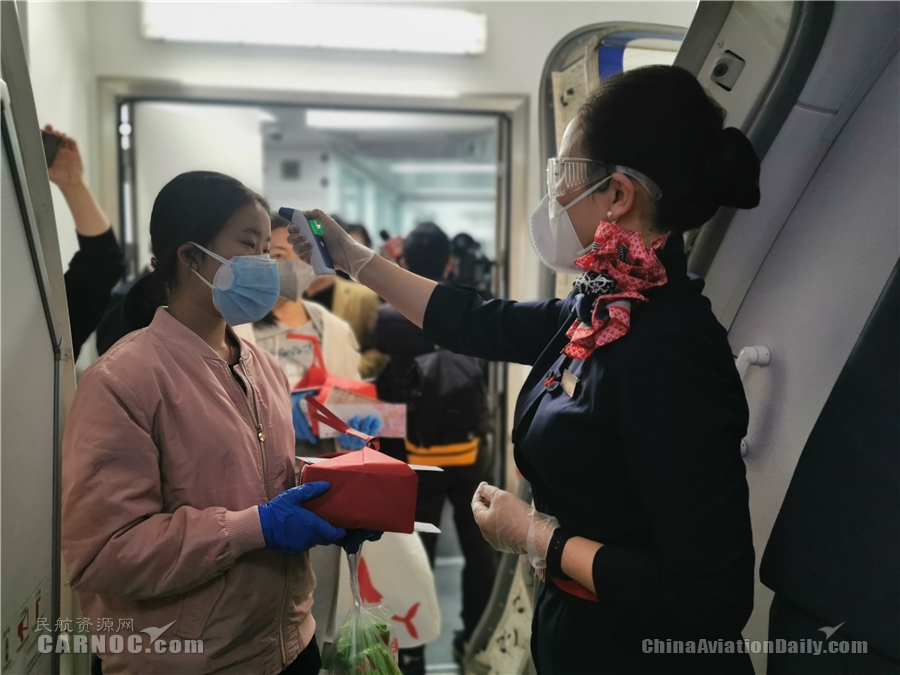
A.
x: 554, y: 554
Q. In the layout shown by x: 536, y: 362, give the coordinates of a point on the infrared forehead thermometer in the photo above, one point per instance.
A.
x: 319, y: 258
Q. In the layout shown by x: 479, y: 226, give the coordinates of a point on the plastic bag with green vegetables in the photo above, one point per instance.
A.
x: 363, y: 645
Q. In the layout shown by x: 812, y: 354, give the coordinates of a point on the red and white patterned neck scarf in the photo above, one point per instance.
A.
x: 618, y: 269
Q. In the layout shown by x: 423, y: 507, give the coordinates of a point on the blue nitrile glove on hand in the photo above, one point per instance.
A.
x: 354, y: 539
x: 289, y: 528
x: 369, y: 425
x: 302, y: 430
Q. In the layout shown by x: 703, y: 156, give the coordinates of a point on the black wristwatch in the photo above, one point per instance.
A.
x: 554, y: 554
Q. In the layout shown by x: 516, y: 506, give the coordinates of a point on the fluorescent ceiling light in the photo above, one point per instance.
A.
x: 377, y: 120
x: 434, y: 167
x: 336, y: 25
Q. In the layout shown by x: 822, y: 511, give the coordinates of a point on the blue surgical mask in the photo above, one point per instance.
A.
x: 245, y: 288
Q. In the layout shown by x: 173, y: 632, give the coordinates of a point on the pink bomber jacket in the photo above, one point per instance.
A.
x: 165, y: 460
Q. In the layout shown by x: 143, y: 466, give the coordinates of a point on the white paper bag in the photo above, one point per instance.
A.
x: 394, y: 572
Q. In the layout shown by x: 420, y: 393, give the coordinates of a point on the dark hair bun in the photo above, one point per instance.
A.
x: 660, y: 121
x: 734, y: 175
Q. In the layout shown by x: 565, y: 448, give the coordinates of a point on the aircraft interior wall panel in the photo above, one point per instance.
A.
x: 812, y: 298
x: 27, y: 401
x: 755, y: 32
x: 845, y: 57
x: 786, y: 170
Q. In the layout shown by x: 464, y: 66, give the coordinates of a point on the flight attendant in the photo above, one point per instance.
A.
x: 629, y: 424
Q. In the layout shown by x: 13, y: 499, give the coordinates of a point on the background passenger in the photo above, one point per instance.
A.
x: 99, y: 264
x: 336, y: 338
x: 355, y: 304
x: 426, y: 252
x: 469, y: 266
x: 359, y: 233
x: 179, y: 503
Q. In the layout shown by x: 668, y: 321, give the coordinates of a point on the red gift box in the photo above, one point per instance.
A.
x: 369, y: 491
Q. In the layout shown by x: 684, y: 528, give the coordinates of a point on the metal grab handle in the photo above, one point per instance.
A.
x: 751, y: 356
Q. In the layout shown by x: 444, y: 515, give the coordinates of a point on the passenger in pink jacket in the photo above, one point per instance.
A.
x: 180, y: 510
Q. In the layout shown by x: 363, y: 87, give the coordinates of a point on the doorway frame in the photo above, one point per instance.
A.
x: 512, y: 110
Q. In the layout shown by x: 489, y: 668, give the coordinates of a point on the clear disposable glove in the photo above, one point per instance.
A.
x: 355, y: 538
x: 295, y: 276
x: 369, y: 425
x: 289, y: 528
x: 302, y: 430
x: 347, y: 254
x: 512, y: 525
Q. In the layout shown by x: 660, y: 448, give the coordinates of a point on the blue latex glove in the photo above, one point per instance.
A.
x: 354, y: 539
x: 291, y: 529
x: 302, y: 430
x: 369, y: 425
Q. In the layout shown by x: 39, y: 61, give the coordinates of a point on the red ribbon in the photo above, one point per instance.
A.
x: 323, y: 415
x: 316, y: 375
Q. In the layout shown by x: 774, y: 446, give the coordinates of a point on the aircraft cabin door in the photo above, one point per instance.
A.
x: 38, y: 376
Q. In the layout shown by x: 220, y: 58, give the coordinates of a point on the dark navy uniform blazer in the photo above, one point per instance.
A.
x: 643, y: 458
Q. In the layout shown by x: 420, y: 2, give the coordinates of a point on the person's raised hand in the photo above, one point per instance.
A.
x: 347, y: 254
x: 67, y: 170
x: 511, y: 525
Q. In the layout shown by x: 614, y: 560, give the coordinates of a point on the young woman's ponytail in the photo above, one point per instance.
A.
x: 145, y: 297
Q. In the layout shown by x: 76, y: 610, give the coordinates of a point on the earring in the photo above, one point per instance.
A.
x: 609, y: 214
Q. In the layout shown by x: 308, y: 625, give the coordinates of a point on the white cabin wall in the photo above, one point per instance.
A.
x: 309, y: 188
x: 810, y: 300
x: 171, y: 139
x: 64, y: 84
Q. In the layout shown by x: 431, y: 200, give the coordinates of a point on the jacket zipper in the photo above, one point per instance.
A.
x: 260, y: 433
x: 261, y: 436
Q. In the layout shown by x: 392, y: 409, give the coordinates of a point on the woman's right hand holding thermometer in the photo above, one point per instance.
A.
x: 347, y: 254
x: 407, y: 292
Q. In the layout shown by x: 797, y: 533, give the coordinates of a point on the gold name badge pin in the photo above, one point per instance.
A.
x: 569, y: 382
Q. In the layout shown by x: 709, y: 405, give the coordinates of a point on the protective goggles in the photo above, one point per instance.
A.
x: 567, y: 174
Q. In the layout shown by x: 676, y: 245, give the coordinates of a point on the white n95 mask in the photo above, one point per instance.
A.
x: 295, y: 277
x: 553, y: 236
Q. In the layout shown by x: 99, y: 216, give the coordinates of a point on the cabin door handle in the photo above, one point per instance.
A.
x: 751, y: 356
